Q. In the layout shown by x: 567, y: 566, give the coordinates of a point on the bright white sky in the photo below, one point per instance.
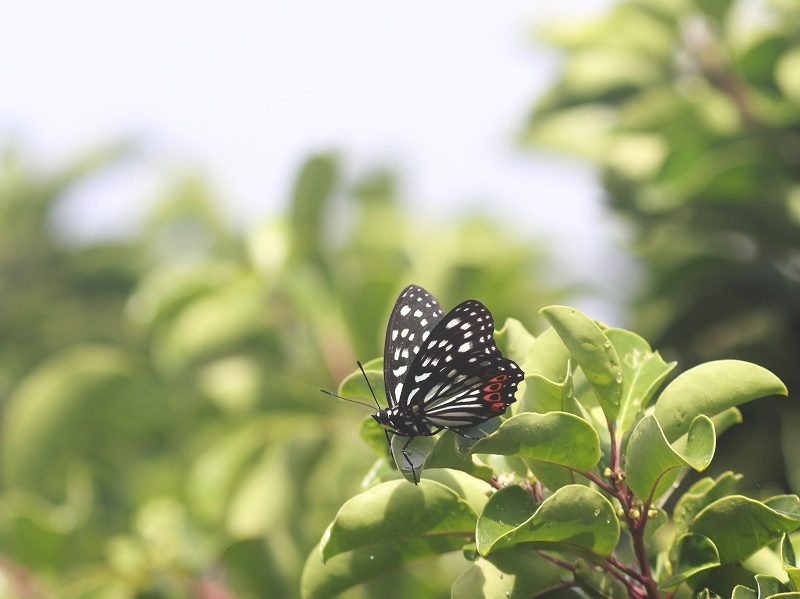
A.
x: 245, y: 90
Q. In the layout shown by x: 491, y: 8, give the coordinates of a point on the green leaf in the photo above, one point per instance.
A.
x: 468, y: 437
x: 475, y: 492
x: 550, y: 475
x: 373, y: 435
x: 769, y: 586
x: 722, y: 579
x: 742, y: 592
x: 643, y: 371
x: 50, y: 406
x: 655, y: 523
x: 739, y: 526
x: 555, y: 437
x: 650, y: 456
x: 508, y: 573
x: 710, y: 389
x: 444, y: 455
x: 598, y: 583
x: 789, y: 562
x: 593, y: 352
x: 418, y: 450
x: 716, y: 9
x: 354, y: 386
x: 514, y: 341
x: 423, y: 515
x: 547, y: 357
x: 574, y: 516
x: 314, y: 185
x: 543, y: 395
x: 585, y: 130
x: 786, y: 73
x: 345, y: 570
x: 214, y: 474
x: 693, y: 553
x: 700, y: 495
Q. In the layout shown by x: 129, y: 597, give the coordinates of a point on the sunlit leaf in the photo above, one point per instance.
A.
x: 739, y: 526
x: 643, y: 371
x: 593, y: 352
x: 709, y: 389
x: 509, y: 573
x: 555, y: 437
x: 396, y: 511
x: 652, y: 463
x: 574, y: 516
x: 701, y: 494
x: 693, y: 553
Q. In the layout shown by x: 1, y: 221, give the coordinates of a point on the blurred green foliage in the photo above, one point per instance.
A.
x: 162, y: 430
x: 691, y: 112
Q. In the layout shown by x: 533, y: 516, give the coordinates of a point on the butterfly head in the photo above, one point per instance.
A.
x: 383, y: 418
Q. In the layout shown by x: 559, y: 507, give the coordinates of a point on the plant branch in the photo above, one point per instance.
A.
x: 633, y: 590
x: 558, y: 562
x: 613, y: 561
x: 614, y: 458
x: 599, y: 482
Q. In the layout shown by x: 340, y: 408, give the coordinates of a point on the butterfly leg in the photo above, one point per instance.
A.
x: 460, y: 434
x: 405, y: 455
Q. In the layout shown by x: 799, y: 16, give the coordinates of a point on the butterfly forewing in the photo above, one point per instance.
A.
x: 467, y: 328
x: 416, y: 313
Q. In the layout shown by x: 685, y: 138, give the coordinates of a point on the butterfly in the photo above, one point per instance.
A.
x: 442, y: 371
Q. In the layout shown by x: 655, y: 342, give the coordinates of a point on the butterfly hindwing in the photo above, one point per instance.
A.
x: 476, y: 387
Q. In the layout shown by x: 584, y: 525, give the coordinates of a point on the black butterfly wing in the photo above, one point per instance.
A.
x: 459, y: 377
x: 479, y: 391
x: 415, y: 314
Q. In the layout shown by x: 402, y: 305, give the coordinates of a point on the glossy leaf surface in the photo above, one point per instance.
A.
x: 593, y: 352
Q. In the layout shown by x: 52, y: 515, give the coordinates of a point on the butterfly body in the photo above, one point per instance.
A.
x: 442, y: 371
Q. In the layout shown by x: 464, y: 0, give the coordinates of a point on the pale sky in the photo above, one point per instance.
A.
x: 245, y: 90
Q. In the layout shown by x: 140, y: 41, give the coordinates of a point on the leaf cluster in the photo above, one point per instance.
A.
x: 690, y: 112
x: 568, y: 492
x: 162, y: 433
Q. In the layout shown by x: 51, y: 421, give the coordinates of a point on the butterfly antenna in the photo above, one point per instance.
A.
x: 361, y: 403
x: 361, y: 367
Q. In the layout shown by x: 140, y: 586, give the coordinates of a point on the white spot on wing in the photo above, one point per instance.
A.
x: 453, y: 323
x: 465, y: 347
x: 404, y: 310
x: 400, y: 370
